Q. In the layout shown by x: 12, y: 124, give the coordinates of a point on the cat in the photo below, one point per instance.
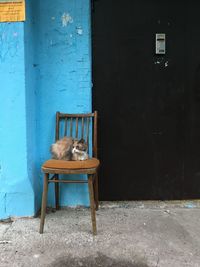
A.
x: 68, y: 148
x: 62, y: 149
x: 79, y: 150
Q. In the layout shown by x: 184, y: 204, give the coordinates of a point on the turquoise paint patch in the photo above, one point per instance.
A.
x: 14, y: 178
x: 19, y: 204
x: 30, y: 40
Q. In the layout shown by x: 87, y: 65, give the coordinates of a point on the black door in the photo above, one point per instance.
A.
x: 149, y: 105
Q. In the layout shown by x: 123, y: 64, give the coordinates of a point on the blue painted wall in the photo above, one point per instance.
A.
x: 45, y: 66
x: 30, y: 52
x: 16, y: 191
x: 64, y: 75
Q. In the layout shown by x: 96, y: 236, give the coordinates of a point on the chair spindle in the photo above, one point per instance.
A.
x: 82, y: 134
x: 65, y: 132
x: 71, y: 126
x: 76, y: 127
x: 87, y: 133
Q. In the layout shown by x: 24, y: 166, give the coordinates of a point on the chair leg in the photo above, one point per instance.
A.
x: 44, y: 202
x: 92, y: 206
x: 57, y: 193
x: 96, y: 191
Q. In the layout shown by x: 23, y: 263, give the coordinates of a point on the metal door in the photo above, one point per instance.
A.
x: 148, y: 104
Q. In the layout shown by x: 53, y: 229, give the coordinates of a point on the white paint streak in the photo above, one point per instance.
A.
x: 66, y: 19
x: 166, y: 64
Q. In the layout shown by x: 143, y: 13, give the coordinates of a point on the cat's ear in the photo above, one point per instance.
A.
x: 82, y: 141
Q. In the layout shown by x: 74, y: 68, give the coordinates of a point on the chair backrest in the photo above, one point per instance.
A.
x: 78, y: 126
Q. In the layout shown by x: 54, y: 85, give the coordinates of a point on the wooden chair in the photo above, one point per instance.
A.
x: 73, y: 124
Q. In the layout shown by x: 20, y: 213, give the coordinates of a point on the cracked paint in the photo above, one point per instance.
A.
x: 9, y: 43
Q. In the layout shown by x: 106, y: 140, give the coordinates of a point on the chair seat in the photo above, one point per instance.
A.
x: 91, y: 163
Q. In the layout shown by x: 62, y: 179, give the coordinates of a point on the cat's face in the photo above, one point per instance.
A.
x: 79, y: 146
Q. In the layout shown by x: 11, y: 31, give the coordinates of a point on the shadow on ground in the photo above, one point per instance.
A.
x: 98, y: 261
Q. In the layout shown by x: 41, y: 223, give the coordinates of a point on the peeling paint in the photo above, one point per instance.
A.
x: 66, y: 19
x: 79, y: 30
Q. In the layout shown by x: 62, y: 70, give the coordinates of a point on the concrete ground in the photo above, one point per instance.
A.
x: 133, y: 234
